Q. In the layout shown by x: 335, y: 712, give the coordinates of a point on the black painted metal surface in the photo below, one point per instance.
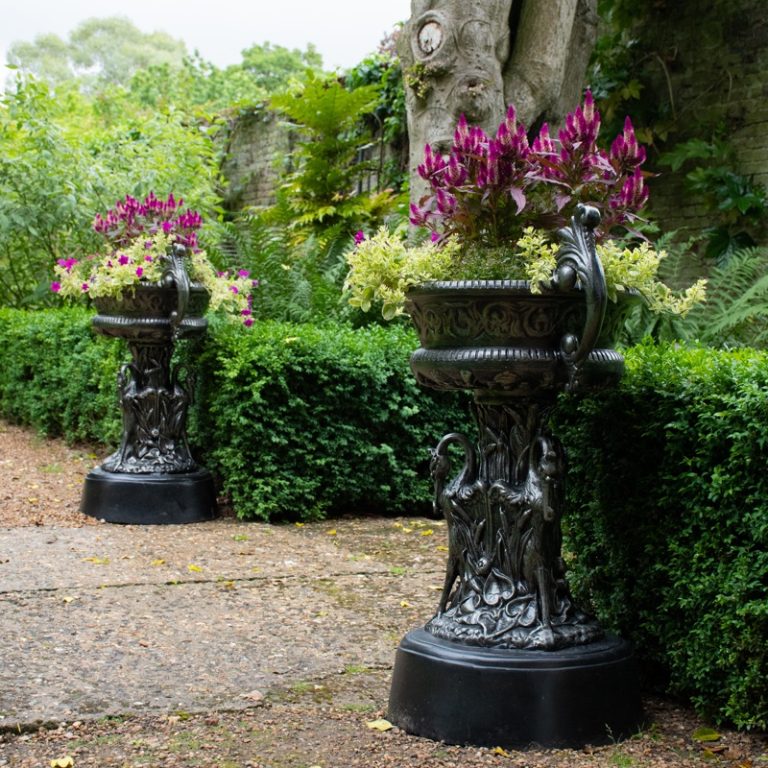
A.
x: 509, y: 658
x: 152, y: 477
x: 515, y: 698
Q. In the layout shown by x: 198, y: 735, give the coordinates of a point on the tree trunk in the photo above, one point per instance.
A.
x: 475, y: 58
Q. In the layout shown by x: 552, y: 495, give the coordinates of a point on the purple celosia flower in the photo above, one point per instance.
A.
x: 123, y: 260
x: 359, y: 236
x: 488, y: 190
x: 55, y: 286
x: 67, y: 263
x: 139, y: 271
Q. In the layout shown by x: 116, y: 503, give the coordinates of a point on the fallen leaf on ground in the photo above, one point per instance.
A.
x: 62, y: 762
x: 253, y: 696
x: 194, y: 568
x: 705, y: 734
x: 380, y: 725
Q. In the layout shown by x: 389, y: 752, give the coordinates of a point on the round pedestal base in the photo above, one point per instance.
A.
x: 491, y: 697
x: 151, y: 499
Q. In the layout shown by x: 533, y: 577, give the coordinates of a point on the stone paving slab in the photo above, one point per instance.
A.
x: 107, y: 620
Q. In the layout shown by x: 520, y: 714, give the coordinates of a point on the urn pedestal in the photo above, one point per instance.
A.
x: 152, y: 477
x: 509, y: 659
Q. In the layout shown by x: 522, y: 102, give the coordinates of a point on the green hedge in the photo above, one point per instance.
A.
x: 295, y: 420
x: 668, y: 516
x: 300, y: 420
x: 56, y: 377
x: 668, y: 512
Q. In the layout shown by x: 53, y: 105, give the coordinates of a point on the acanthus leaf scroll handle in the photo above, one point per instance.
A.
x: 578, y: 262
x: 175, y: 274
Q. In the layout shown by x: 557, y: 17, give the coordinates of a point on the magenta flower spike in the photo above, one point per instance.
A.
x: 418, y: 216
x: 462, y: 132
x: 490, y: 189
x: 625, y: 151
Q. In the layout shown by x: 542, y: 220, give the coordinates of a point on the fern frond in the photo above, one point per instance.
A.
x: 736, y: 310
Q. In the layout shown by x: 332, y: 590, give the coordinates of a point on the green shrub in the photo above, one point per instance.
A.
x: 301, y: 420
x: 297, y: 421
x: 57, y: 377
x: 668, y: 514
x: 668, y: 518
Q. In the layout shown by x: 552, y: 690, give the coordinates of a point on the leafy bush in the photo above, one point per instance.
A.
x: 324, y: 187
x: 64, y: 159
x: 296, y: 420
x: 736, y: 310
x: 668, y: 515
x: 57, y: 377
x: 668, y: 518
x: 300, y: 420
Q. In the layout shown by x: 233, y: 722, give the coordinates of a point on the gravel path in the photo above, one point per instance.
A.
x: 230, y: 644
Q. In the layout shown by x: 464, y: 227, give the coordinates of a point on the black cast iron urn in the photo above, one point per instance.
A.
x: 509, y: 659
x: 152, y: 477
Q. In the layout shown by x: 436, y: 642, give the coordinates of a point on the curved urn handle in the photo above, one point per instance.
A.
x: 175, y: 275
x: 577, y: 262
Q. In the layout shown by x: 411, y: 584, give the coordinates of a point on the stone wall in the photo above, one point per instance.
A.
x: 709, y: 64
x: 258, y: 149
x: 259, y: 144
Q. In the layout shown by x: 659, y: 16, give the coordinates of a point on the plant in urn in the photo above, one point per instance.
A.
x: 515, y: 295
x: 152, y: 288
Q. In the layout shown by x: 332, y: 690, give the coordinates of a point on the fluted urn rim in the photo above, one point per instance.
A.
x: 499, y: 335
x: 146, y: 312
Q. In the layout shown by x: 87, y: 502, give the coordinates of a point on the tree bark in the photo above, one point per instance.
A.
x: 475, y: 58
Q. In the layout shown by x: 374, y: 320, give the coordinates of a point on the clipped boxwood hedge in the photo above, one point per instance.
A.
x: 295, y: 420
x: 301, y: 420
x: 668, y: 488
x: 57, y: 377
x: 668, y: 518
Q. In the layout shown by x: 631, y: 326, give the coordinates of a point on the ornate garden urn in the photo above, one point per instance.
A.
x: 509, y: 659
x: 152, y: 477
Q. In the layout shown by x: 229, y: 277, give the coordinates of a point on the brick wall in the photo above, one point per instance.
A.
x: 710, y: 60
x: 259, y: 144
